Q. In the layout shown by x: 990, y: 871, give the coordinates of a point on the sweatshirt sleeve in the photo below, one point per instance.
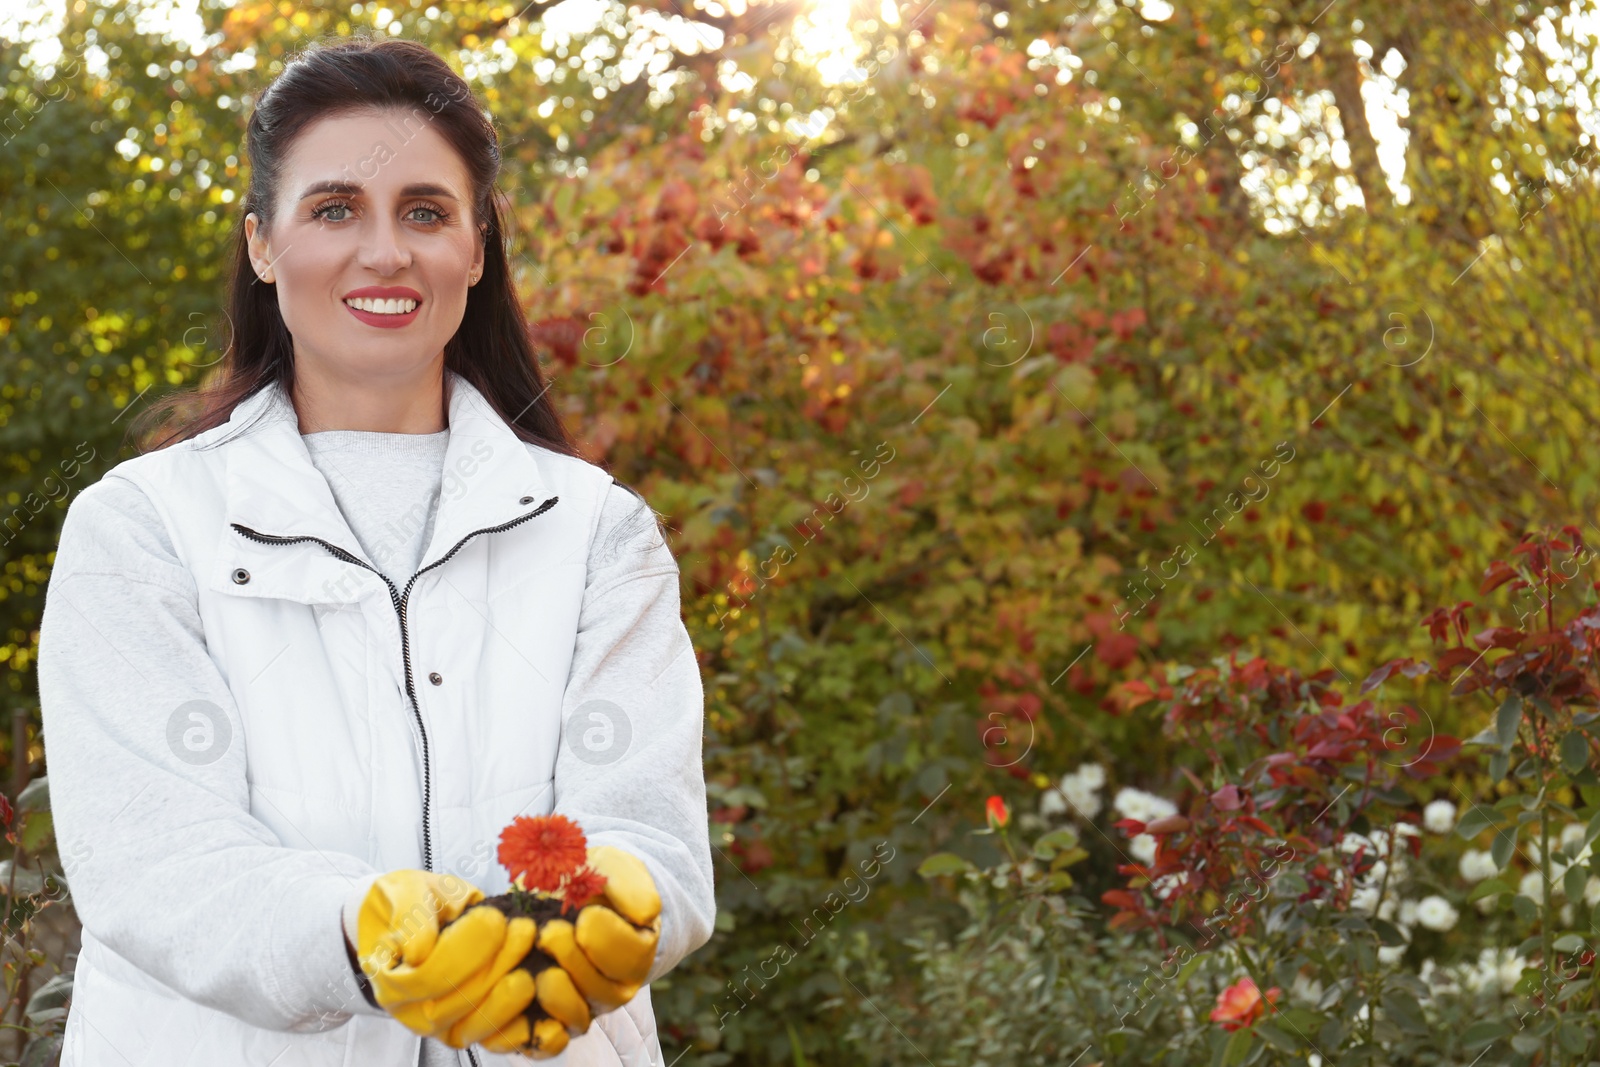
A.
x: 629, y: 769
x: 149, y: 791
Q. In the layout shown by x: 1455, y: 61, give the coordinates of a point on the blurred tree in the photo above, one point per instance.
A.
x: 975, y: 353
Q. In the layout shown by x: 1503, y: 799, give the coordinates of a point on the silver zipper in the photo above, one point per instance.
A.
x: 400, y: 601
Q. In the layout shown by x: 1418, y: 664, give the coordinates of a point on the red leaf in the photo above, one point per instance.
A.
x: 1498, y: 637
x: 1452, y: 658
x: 1227, y: 798
x: 1121, y: 898
x: 1117, y: 650
x: 1379, y: 676
x: 1498, y: 574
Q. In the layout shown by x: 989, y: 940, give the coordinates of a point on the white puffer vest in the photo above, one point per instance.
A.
x: 488, y: 622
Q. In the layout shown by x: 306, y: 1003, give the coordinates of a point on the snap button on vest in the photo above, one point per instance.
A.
x: 241, y: 576
x: 526, y: 500
x: 435, y: 678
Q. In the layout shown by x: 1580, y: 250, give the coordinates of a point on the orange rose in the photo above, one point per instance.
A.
x: 1241, y: 1004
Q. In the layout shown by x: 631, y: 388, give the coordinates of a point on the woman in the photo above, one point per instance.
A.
x: 301, y: 665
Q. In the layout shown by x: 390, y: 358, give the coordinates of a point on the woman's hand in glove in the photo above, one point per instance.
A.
x: 430, y: 954
x: 601, y: 958
x: 603, y: 954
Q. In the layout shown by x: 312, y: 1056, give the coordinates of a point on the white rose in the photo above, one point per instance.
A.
x: 1439, y: 817
x: 1143, y: 848
x: 1364, y: 899
x: 1146, y: 807
x: 1084, y: 800
x: 1052, y: 803
x: 1435, y: 913
x: 1477, y: 865
x: 1092, y: 775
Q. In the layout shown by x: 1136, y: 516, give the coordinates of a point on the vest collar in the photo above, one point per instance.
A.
x: 274, y: 489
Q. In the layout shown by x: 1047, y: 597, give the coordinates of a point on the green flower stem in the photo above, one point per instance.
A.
x: 1545, y: 932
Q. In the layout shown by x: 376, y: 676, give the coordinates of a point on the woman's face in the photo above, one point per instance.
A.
x: 371, y: 245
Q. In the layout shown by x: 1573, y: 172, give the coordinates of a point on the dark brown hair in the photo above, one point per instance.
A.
x: 491, y: 349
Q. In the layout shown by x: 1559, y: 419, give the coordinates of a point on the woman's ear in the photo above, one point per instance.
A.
x: 260, y: 254
x: 476, y: 270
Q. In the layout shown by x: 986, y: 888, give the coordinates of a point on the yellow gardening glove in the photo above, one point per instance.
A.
x: 601, y: 958
x: 427, y: 951
x: 487, y: 1000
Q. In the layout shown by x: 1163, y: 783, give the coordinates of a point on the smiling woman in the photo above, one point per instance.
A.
x: 325, y: 240
x: 313, y: 676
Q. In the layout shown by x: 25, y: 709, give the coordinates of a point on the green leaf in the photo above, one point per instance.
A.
x: 944, y: 863
x: 1485, y: 736
x: 1276, y: 1038
x: 1237, y: 1050
x: 1474, y: 821
x: 1389, y: 935
x: 1573, y: 1036
x: 1575, y: 881
x: 1506, y: 721
x: 1591, y: 831
x: 1529, y: 983
x: 1574, y: 752
x: 1504, y: 844
x: 27, y: 881
x: 1484, y: 1033
x: 1186, y: 971
x: 35, y: 831
x: 794, y: 1046
x: 1569, y: 943
x: 1499, y: 763
x: 1525, y: 908
x: 1488, y: 888
x: 1403, y: 1009
x: 1053, y: 842
x: 35, y: 797
x: 50, y: 997
x: 1527, y: 1044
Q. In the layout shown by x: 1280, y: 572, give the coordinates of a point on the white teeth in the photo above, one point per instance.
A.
x: 382, y: 307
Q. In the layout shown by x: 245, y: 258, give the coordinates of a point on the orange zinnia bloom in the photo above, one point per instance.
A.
x: 1241, y: 1004
x: 539, y: 851
x: 582, y: 887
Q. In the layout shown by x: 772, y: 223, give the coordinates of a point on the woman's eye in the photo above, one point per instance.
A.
x: 429, y: 215
x: 332, y: 212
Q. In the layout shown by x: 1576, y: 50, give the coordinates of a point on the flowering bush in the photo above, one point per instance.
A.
x: 1323, y: 880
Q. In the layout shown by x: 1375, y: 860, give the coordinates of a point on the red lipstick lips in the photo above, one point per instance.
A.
x: 382, y: 305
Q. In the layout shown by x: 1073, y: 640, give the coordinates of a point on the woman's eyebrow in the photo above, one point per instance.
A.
x: 345, y: 188
x: 428, y: 190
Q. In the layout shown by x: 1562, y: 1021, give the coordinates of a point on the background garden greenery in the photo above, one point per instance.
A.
x: 982, y: 358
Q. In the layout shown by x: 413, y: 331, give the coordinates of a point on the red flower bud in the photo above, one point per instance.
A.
x: 999, y: 816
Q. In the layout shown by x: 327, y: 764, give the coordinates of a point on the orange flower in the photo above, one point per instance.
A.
x: 1241, y: 1004
x: 999, y: 817
x: 582, y: 886
x: 540, y: 851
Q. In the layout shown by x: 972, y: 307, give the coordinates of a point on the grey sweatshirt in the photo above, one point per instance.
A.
x: 121, y: 637
x: 387, y: 488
